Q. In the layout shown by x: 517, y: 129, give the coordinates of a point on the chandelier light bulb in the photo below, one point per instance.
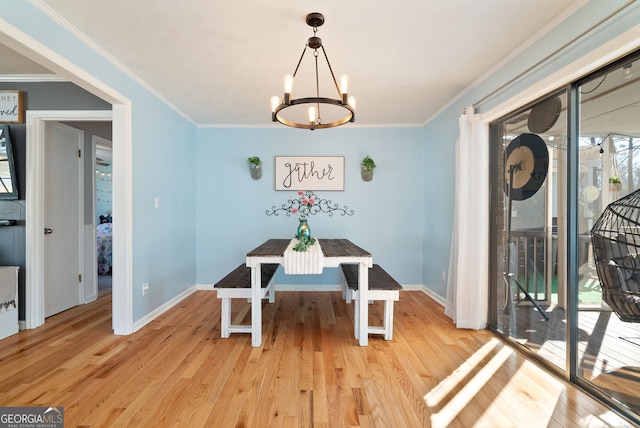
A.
x: 275, y: 102
x: 313, y: 115
x: 352, y: 102
x: 627, y: 72
x: 344, y: 84
x: 288, y: 83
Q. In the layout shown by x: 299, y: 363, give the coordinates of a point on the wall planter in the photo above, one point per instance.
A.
x: 366, y: 174
x: 366, y: 168
x: 255, y: 167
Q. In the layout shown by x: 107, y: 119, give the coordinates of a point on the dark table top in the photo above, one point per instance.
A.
x: 330, y: 248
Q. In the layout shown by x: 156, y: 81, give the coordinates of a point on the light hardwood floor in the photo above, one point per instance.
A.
x: 310, y: 371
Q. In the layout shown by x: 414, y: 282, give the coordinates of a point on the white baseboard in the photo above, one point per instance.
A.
x: 162, y: 309
x: 435, y: 296
x: 412, y: 287
x: 8, y: 323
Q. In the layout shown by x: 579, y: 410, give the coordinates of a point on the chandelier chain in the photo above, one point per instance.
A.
x: 300, y: 60
x: 335, y: 82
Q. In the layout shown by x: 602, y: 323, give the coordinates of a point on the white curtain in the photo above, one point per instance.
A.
x: 468, y: 282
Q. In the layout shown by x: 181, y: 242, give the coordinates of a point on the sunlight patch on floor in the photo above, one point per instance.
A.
x: 452, y: 408
x: 435, y: 396
x: 539, y: 402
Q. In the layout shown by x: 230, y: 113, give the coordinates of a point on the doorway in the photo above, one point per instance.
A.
x: 36, y: 121
x: 121, y: 117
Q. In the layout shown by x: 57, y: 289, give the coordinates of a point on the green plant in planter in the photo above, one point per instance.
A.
x: 614, y: 180
x: 366, y: 168
x: 254, y: 160
x: 368, y: 163
x: 255, y: 167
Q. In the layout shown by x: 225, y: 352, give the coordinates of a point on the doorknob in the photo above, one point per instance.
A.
x: 48, y: 231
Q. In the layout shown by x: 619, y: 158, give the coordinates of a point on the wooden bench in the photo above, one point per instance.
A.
x: 381, y: 287
x: 237, y: 285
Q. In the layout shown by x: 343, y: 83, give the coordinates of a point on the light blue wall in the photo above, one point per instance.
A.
x: 388, y: 210
x: 163, y: 164
x: 441, y: 132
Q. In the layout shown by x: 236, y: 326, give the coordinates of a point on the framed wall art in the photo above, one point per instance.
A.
x: 11, y: 107
x: 309, y: 173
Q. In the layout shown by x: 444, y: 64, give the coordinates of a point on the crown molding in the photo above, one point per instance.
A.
x: 10, y: 78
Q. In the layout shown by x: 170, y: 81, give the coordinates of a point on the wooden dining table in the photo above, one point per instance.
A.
x: 335, y: 252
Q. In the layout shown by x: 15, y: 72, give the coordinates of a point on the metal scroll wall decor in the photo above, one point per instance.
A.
x: 303, y: 206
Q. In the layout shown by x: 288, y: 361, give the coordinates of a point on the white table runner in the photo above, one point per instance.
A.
x: 308, y: 262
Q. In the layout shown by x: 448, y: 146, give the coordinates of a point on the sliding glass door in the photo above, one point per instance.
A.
x: 608, y: 342
x: 565, y: 282
x: 529, y: 153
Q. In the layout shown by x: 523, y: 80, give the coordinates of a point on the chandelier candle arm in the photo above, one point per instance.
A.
x: 284, y: 111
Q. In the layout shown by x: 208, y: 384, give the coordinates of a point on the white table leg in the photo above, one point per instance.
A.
x: 363, y: 297
x: 225, y: 318
x: 256, y: 306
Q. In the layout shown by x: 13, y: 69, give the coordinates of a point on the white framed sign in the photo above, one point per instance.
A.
x: 11, y: 108
x: 309, y: 173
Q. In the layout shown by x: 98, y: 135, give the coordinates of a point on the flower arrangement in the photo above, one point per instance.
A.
x: 304, y: 243
x: 305, y: 203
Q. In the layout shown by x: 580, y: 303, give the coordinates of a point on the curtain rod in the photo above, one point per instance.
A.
x: 554, y: 53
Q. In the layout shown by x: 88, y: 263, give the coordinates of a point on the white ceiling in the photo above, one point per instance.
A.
x: 219, y: 62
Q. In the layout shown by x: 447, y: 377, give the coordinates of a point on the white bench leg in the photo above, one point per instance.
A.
x: 346, y: 291
x: 225, y: 318
x: 272, y: 292
x: 356, y: 311
x: 388, y: 319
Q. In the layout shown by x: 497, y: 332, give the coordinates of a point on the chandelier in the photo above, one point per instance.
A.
x: 321, y: 112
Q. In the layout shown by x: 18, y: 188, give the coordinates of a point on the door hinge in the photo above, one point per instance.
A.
x: 79, y: 277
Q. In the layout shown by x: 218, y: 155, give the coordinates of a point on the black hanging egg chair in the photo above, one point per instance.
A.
x: 615, y: 238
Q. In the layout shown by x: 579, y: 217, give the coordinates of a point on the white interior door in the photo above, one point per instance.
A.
x: 62, y: 225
